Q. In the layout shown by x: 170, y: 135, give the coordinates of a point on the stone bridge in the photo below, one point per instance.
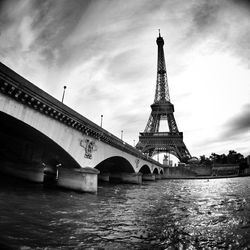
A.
x: 43, y: 140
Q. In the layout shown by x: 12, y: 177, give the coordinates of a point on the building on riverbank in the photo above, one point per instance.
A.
x: 201, y: 171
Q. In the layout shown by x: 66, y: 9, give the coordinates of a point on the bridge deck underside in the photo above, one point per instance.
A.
x: 23, y: 144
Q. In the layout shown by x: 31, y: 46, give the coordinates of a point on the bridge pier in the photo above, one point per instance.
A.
x: 148, y: 177
x: 103, y: 177
x: 130, y: 178
x: 158, y: 176
x: 133, y: 178
x: 83, y: 179
x: 27, y: 171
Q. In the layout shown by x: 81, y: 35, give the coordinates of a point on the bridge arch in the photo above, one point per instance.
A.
x: 145, y: 169
x: 22, y: 143
x: 156, y: 171
x: 115, y: 164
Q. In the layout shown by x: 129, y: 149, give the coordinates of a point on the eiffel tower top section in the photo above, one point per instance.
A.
x: 162, y: 91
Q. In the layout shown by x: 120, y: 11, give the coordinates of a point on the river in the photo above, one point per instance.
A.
x: 167, y: 214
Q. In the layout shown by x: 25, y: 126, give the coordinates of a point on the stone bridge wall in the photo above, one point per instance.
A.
x: 87, y: 143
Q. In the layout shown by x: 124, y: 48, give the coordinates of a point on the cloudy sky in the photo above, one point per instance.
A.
x: 105, y: 52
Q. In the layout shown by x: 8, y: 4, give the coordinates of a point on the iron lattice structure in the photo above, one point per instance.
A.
x: 151, y: 141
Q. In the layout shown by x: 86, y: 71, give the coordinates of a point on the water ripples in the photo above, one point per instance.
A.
x: 167, y: 214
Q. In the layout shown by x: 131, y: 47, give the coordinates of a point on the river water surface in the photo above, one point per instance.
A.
x: 167, y: 214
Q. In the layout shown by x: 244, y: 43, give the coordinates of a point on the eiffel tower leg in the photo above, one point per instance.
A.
x: 183, y: 153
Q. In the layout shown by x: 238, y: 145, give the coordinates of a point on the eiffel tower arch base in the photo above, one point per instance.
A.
x: 163, y: 142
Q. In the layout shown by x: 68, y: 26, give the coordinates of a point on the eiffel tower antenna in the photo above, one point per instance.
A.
x: 151, y: 141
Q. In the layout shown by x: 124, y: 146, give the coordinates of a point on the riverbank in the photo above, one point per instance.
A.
x: 205, y: 177
x: 215, y: 171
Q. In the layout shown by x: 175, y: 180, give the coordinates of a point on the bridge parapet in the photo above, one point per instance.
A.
x: 23, y: 91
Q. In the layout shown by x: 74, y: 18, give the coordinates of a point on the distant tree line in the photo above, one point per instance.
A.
x: 231, y: 158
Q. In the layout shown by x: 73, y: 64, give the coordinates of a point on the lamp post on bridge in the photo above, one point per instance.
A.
x: 134, y: 143
x: 122, y: 135
x: 101, y: 120
x: 64, y: 88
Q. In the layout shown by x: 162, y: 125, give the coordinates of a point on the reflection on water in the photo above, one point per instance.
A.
x: 167, y: 214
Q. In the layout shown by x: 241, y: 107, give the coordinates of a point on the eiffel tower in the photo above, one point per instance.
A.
x: 151, y: 141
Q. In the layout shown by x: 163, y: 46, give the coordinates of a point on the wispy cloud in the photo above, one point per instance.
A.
x: 239, y: 125
x: 224, y: 21
x: 105, y: 52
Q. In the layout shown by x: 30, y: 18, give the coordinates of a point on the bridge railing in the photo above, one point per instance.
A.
x: 23, y: 91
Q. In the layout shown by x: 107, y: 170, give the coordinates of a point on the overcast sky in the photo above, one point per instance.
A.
x: 105, y: 52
